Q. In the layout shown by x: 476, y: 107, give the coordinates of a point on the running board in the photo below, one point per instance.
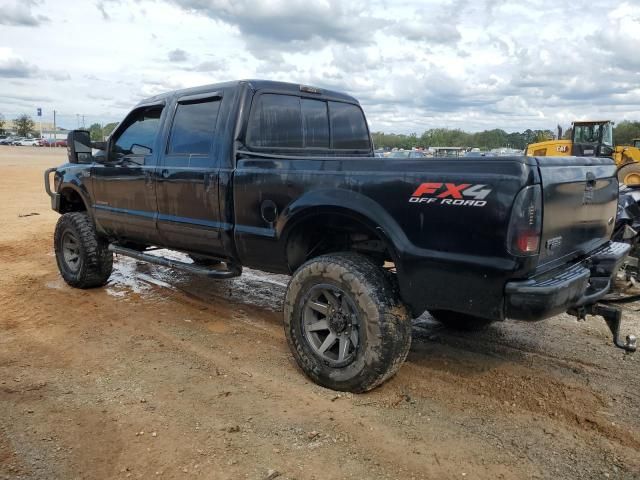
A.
x: 232, y: 270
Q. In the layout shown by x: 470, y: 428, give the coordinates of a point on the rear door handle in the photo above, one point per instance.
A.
x: 165, y: 173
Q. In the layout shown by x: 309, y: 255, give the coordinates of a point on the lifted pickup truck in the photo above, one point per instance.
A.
x: 283, y: 178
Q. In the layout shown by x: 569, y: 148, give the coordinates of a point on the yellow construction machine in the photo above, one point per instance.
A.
x: 594, y: 139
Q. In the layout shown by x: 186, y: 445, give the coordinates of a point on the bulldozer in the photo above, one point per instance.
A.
x: 594, y: 139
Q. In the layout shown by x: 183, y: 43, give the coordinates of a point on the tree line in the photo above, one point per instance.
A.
x: 623, y: 133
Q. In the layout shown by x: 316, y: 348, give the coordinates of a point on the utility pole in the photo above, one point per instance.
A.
x: 55, y: 134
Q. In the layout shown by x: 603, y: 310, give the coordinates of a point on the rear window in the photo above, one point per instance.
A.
x: 315, y: 123
x: 288, y: 121
x: 348, y: 126
x: 276, y: 122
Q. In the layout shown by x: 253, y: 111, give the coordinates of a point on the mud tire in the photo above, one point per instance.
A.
x: 384, y: 322
x: 95, y: 259
x: 460, y: 321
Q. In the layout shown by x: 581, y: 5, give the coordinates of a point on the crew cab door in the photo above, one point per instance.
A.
x: 124, y: 187
x: 187, y: 177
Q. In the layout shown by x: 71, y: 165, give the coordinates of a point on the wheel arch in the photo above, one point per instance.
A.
x: 317, y: 208
x: 73, y: 199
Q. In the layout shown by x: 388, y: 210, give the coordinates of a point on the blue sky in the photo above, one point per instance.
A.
x: 414, y: 65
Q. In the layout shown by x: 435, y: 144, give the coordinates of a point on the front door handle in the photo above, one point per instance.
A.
x: 165, y: 173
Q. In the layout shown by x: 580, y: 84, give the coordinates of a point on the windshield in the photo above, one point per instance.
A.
x: 591, y: 133
x: 607, y: 134
x: 399, y: 154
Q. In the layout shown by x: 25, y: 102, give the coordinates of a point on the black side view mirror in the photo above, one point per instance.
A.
x: 79, y: 146
x: 605, y: 151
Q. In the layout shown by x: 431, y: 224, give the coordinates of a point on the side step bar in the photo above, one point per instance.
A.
x: 232, y: 270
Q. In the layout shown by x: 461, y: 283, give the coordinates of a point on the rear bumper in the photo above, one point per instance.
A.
x: 570, y: 286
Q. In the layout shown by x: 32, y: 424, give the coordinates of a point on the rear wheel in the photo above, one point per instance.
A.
x: 629, y: 174
x: 84, y: 259
x: 345, y: 323
x: 460, y: 321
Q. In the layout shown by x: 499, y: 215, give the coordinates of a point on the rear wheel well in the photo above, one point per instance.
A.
x: 325, y: 233
x: 71, y: 201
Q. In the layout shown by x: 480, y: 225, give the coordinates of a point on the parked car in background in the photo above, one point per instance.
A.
x: 479, y: 154
x: 54, y: 143
x: 29, y: 142
x: 8, y: 140
x: 407, y: 154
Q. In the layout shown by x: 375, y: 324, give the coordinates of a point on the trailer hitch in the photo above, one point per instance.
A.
x: 613, y: 318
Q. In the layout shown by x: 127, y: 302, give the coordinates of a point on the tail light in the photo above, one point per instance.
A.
x: 525, y: 226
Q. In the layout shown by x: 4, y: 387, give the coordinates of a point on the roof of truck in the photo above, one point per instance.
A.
x: 286, y: 87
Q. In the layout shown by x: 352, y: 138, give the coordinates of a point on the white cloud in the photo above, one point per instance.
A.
x: 414, y: 64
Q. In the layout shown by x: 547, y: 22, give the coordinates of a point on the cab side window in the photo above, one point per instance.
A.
x: 139, y: 136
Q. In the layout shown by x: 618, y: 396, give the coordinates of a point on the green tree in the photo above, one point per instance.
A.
x: 625, y: 131
x: 24, y: 125
x: 2, y: 131
x: 95, y: 130
x: 543, y: 135
x: 109, y: 128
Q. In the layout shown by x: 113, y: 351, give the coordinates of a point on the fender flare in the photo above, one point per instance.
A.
x: 75, y: 186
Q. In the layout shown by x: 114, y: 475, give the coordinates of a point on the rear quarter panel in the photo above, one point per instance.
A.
x: 449, y: 254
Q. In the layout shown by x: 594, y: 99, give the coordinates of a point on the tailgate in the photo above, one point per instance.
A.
x: 580, y: 196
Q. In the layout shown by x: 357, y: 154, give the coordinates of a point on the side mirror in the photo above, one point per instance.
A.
x: 605, y: 151
x: 79, y: 146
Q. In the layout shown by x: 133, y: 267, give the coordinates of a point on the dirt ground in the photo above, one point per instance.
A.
x: 163, y: 375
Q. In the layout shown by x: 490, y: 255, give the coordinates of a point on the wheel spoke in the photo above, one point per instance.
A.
x: 331, y: 298
x: 328, y: 342
x: 344, y: 348
x: 344, y: 304
x: 73, y: 259
x: 319, y: 325
x: 322, y: 308
x: 354, y: 338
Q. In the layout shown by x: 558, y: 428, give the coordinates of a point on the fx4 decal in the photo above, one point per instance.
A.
x: 463, y: 194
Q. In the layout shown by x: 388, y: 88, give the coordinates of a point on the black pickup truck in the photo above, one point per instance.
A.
x: 282, y: 177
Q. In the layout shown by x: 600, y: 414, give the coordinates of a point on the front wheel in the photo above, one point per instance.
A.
x: 344, y: 322
x: 629, y: 174
x: 84, y: 259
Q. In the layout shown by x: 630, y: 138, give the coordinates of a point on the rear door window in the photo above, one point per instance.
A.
x: 348, y: 127
x: 193, y: 127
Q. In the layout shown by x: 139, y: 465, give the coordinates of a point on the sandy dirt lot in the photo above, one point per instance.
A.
x: 162, y: 375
